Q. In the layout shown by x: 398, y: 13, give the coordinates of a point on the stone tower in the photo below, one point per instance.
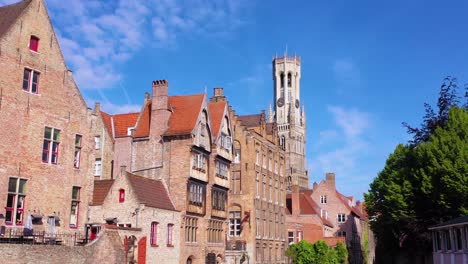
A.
x: 290, y: 117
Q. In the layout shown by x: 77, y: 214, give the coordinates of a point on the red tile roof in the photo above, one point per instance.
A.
x: 101, y: 188
x: 316, y: 208
x: 9, y: 14
x: 122, y: 122
x: 345, y: 200
x: 143, y: 127
x: 185, y: 110
x: 150, y: 192
x: 308, y: 207
x: 216, y: 115
x: 106, y: 118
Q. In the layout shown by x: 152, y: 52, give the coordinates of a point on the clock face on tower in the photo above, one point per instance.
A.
x: 297, y: 103
x: 280, y: 102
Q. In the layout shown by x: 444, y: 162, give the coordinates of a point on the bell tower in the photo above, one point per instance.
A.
x: 290, y: 117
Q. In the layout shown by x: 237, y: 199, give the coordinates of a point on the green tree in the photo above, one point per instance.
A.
x: 318, y: 253
x: 421, y: 185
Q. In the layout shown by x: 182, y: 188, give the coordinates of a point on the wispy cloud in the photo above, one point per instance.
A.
x: 342, y: 147
x: 346, y: 73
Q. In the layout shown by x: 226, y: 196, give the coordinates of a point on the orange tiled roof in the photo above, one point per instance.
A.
x: 106, y: 118
x: 150, y: 192
x: 101, y: 188
x: 308, y: 207
x: 143, y: 128
x: 9, y: 14
x: 216, y: 115
x: 185, y: 110
x: 122, y: 122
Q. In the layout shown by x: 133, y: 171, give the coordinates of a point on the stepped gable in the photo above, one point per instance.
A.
x: 251, y: 120
x: 9, y: 14
x: 149, y: 192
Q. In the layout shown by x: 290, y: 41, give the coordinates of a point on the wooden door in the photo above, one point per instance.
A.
x: 142, y: 251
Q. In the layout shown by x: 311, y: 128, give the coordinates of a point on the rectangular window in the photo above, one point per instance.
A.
x: 154, y: 234
x: 458, y: 238
x: 31, y: 81
x: 299, y: 236
x: 75, y: 207
x: 191, y: 229
x: 34, y: 43
x: 170, y: 228
x: 276, y: 167
x: 264, y: 161
x: 226, y: 141
x: 215, y: 231
x: 77, y: 157
x: 290, y: 237
x: 234, y: 223
x: 270, y: 162
x: 257, y: 158
x: 50, y: 147
x: 97, y: 167
x: 222, y: 169
x: 447, y: 239
x: 341, y: 234
x: 219, y: 198
x: 323, y: 199
x: 237, y: 154
x: 97, y: 142
x: 236, y: 182
x: 196, y: 193
x: 15, y: 201
x: 341, y: 218
x: 199, y: 162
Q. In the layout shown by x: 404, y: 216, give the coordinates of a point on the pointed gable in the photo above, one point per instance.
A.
x: 9, y: 14
x: 144, y: 122
x: 101, y: 189
x: 217, y: 112
x: 185, y: 112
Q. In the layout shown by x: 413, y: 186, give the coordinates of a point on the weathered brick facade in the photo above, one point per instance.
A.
x: 37, y: 91
x: 257, y: 194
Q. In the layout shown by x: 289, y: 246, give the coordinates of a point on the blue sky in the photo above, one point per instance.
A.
x: 367, y: 66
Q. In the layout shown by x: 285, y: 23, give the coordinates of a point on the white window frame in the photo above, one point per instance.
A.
x: 98, y: 167
x: 97, y: 142
x: 341, y: 218
x: 323, y: 199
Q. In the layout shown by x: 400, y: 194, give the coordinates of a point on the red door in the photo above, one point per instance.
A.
x: 142, y: 251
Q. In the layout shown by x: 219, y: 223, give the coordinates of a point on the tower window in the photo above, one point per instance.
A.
x: 289, y: 79
x: 34, y: 43
x: 282, y: 80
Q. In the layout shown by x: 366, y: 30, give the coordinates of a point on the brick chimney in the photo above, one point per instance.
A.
x: 218, y: 95
x: 331, y: 178
x: 295, y: 203
x: 160, y: 111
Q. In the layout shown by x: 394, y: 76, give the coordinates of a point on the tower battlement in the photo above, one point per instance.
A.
x: 283, y: 59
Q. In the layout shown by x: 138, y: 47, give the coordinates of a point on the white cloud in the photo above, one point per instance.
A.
x: 352, y: 121
x: 346, y: 73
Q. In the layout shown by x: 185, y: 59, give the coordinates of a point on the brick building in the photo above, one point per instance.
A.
x: 257, y: 195
x: 46, y: 145
x: 141, y: 210
x: 184, y: 142
x: 323, y: 213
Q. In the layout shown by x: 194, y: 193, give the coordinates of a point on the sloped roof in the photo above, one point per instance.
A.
x: 9, y: 14
x: 216, y: 115
x: 150, y: 192
x: 456, y: 221
x: 143, y: 127
x: 307, y: 206
x: 185, y: 110
x: 122, y: 122
x: 345, y: 200
x: 316, y: 208
x: 101, y: 188
x: 106, y: 118
x: 251, y: 120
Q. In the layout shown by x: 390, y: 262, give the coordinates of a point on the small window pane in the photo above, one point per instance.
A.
x: 12, y: 184
x: 76, y: 193
x: 78, y: 141
x: 22, y: 186
x: 35, y: 82
x: 10, y: 200
x: 48, y: 133
x: 9, y: 216
x: 56, y: 135
x: 26, y: 79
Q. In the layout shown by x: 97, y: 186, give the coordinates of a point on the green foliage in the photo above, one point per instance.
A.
x: 318, y: 253
x: 365, y: 243
x: 421, y: 185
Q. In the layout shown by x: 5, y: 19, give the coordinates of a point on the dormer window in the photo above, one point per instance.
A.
x: 34, y: 43
x: 121, y: 195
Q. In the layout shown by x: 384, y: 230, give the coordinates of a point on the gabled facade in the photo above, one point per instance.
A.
x: 101, y: 128
x: 46, y: 144
x: 140, y: 209
x: 257, y: 193
x: 185, y: 142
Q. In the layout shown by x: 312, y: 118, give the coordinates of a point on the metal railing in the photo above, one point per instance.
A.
x: 19, y: 236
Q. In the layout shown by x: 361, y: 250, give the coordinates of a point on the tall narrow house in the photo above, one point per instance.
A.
x: 45, y: 140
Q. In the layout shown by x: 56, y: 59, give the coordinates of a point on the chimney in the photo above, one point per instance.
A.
x: 296, y: 210
x: 97, y: 107
x: 331, y: 178
x: 218, y: 91
x: 160, y: 90
x: 218, y: 95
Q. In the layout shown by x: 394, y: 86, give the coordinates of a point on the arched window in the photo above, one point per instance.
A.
x: 189, y: 260
x: 121, y: 195
x: 289, y: 79
x: 282, y: 79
